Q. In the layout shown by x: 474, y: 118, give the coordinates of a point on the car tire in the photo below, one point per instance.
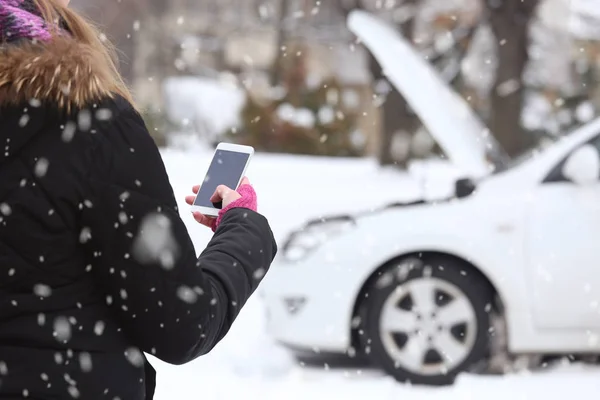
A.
x: 429, y: 311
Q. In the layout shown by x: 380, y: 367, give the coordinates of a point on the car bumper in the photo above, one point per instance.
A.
x: 304, y: 311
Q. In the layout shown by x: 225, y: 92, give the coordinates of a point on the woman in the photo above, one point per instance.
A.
x: 96, y: 265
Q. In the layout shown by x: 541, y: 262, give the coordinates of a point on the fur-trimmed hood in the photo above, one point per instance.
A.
x: 62, y: 72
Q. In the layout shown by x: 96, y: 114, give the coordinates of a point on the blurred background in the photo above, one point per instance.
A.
x: 539, y: 57
x: 334, y: 135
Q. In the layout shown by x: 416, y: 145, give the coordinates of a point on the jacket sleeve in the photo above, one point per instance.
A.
x: 171, y: 303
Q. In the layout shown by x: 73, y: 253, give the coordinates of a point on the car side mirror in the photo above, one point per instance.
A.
x: 464, y: 187
x: 583, y: 166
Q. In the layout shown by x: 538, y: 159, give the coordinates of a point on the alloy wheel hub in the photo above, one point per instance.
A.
x: 428, y: 326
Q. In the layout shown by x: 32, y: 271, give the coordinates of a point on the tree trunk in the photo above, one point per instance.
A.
x: 395, y: 118
x: 396, y: 115
x: 509, y: 21
x: 125, y: 44
x: 281, y: 39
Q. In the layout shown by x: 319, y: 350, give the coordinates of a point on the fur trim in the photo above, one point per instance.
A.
x: 62, y: 71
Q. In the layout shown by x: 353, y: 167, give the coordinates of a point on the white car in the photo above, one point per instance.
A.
x: 428, y: 290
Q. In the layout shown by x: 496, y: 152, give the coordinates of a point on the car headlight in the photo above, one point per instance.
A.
x: 300, y: 243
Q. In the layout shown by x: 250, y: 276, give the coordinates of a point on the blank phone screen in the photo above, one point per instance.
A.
x: 226, y: 169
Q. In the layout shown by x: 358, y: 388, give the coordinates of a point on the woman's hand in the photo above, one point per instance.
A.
x: 223, y: 194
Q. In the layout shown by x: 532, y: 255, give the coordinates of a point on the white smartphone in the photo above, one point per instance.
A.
x: 227, y: 167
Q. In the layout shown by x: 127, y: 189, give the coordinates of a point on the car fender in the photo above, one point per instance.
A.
x: 476, y: 247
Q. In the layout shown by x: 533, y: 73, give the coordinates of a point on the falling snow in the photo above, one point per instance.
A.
x: 69, y: 131
x: 84, y: 120
x: 62, y: 329
x: 85, y: 361
x: 155, y: 243
x: 41, y: 167
x: 5, y: 209
x: 247, y: 356
x: 42, y: 290
x: 85, y: 235
x: 134, y: 356
x: 103, y: 114
x: 99, y: 328
x: 24, y: 120
x: 187, y: 294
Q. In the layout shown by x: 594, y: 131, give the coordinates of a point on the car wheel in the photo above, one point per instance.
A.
x: 425, y: 321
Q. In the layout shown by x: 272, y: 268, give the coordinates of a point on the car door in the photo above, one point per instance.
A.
x: 564, y: 251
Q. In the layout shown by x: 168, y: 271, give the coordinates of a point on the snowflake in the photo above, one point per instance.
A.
x: 41, y: 167
x: 156, y: 244
x: 42, y: 290
x: 62, y: 329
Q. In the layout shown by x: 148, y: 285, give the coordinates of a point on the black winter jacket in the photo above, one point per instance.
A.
x: 96, y: 265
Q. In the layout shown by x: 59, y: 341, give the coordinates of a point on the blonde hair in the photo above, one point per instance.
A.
x: 84, y: 31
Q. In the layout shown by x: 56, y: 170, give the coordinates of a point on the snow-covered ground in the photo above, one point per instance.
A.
x: 248, y: 365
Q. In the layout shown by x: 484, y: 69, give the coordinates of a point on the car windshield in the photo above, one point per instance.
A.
x: 525, y: 155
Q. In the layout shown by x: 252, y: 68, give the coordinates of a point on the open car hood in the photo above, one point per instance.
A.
x: 446, y: 115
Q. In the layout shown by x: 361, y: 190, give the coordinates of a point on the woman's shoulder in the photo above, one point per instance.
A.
x: 63, y: 86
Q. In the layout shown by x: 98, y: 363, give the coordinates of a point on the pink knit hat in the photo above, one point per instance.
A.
x: 21, y: 19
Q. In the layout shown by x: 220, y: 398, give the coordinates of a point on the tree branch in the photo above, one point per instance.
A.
x: 347, y: 6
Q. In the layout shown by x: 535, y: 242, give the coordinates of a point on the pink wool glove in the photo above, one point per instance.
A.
x: 248, y: 200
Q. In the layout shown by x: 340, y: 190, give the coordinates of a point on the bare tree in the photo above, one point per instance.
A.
x: 397, y: 117
x: 281, y: 38
x: 117, y: 19
x: 509, y: 20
